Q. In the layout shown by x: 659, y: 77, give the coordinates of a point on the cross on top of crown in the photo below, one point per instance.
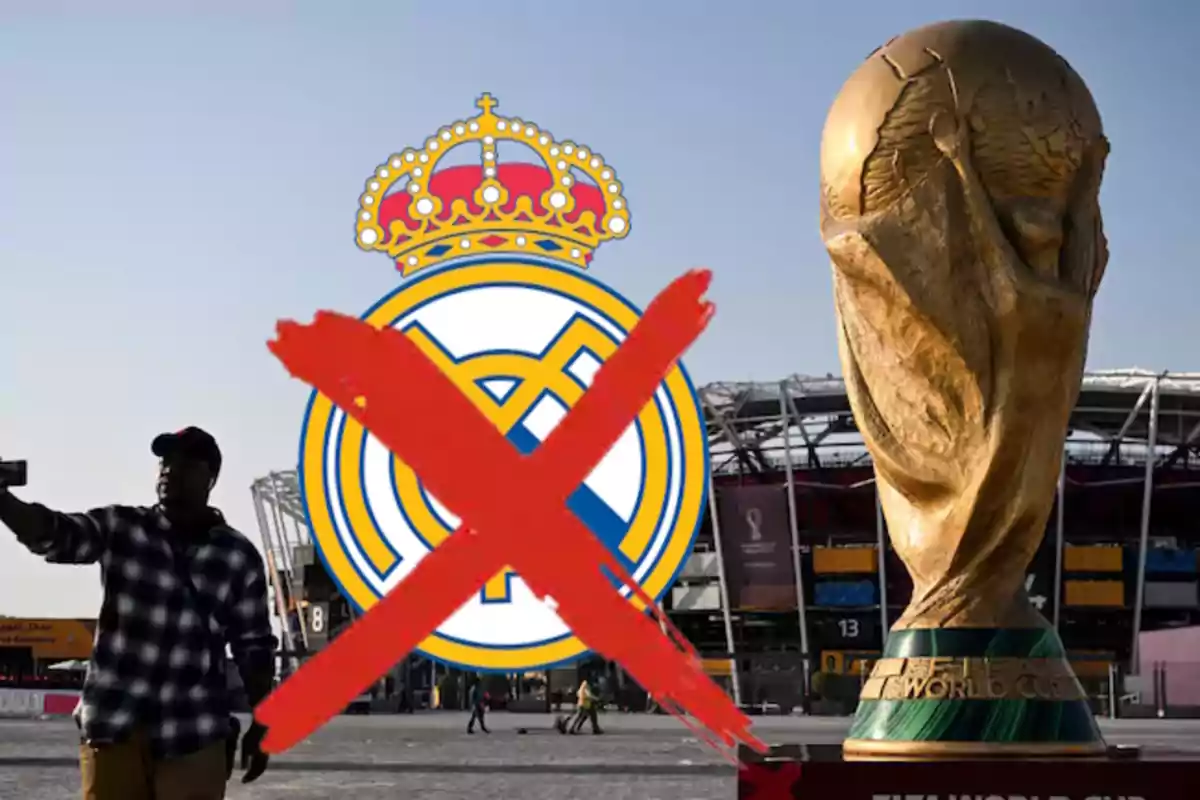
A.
x: 486, y: 103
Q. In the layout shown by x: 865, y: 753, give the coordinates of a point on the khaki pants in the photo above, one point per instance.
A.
x: 126, y: 771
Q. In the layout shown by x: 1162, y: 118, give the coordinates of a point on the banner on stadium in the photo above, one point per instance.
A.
x: 47, y: 639
x: 757, y: 547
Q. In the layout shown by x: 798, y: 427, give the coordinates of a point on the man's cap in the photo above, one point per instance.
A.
x: 191, y: 442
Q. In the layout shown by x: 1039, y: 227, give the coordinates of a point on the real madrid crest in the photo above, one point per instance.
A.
x: 501, y: 303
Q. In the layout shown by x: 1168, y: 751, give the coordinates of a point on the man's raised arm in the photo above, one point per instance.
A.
x: 59, y: 538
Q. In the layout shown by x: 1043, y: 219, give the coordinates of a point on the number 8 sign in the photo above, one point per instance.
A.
x: 317, y: 619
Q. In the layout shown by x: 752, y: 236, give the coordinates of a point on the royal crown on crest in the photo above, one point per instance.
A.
x: 564, y: 208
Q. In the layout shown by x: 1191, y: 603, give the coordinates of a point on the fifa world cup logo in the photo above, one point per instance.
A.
x: 754, y: 523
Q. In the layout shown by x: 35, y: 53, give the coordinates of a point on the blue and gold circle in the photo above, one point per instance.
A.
x: 521, y: 338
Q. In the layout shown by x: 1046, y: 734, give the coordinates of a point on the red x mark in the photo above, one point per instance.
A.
x: 517, y: 515
x: 759, y: 782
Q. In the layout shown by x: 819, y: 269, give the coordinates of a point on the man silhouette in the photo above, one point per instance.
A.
x: 179, y: 585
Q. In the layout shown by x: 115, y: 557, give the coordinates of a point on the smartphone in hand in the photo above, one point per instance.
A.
x: 12, y: 473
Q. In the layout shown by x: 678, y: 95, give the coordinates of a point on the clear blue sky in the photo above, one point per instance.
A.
x: 173, y: 182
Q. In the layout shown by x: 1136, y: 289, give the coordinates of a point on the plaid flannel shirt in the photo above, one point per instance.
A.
x: 158, y: 660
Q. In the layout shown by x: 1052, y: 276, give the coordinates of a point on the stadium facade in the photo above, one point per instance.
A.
x: 793, y: 556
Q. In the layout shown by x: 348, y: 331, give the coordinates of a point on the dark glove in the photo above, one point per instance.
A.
x: 254, y: 760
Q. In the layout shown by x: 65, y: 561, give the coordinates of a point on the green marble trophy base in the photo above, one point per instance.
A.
x: 971, y: 692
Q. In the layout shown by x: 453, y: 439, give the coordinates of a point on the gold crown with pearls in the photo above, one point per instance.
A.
x: 563, y: 208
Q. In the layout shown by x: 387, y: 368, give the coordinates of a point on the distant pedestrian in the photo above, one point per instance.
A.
x: 586, y: 709
x: 478, y: 701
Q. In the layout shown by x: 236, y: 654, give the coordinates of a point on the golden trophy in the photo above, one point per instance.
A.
x: 960, y: 175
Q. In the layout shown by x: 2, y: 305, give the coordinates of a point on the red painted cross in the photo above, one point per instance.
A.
x: 515, y: 515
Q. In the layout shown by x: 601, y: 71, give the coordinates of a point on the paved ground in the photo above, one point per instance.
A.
x: 430, y: 756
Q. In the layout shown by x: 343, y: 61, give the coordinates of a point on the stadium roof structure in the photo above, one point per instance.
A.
x: 806, y: 421
x: 760, y: 426
x: 283, y: 525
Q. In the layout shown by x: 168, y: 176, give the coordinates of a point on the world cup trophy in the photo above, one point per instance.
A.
x: 960, y: 176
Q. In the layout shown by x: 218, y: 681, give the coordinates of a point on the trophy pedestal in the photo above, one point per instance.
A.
x: 973, y: 692
x: 816, y: 772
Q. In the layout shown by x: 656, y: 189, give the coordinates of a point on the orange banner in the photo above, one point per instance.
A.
x: 1097, y: 558
x: 1097, y: 594
x: 58, y: 639
x: 845, y: 560
x: 718, y: 666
